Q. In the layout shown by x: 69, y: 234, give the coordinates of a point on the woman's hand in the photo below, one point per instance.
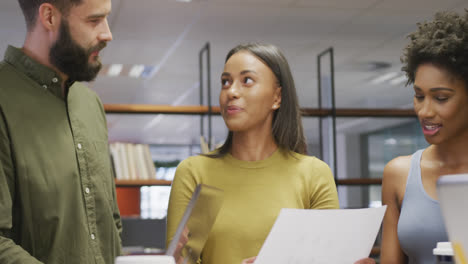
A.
x: 252, y: 259
x: 180, y: 245
x: 365, y: 261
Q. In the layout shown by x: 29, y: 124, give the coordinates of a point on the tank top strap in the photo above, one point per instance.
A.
x: 414, y: 174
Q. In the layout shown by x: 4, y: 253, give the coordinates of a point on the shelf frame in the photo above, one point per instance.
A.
x: 215, y: 110
x: 359, y: 181
x: 140, y: 183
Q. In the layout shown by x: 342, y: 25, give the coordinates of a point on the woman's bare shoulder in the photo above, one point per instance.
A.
x: 395, y: 176
x: 397, y: 166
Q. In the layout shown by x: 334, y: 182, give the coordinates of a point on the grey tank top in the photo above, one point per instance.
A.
x: 421, y: 225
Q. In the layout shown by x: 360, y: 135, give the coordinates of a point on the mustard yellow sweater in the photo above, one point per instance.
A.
x: 254, y: 193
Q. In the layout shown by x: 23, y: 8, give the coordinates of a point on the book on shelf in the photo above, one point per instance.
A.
x: 132, y: 173
x: 204, y: 146
x: 141, y: 169
x: 132, y: 161
x: 151, y: 168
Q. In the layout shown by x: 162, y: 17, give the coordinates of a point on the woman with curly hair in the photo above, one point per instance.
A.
x: 436, y: 63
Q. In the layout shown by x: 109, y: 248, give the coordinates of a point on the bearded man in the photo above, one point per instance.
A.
x: 57, y: 194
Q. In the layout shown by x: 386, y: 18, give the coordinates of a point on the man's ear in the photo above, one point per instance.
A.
x: 49, y: 17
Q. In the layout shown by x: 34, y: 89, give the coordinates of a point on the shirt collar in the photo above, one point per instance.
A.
x: 45, y: 77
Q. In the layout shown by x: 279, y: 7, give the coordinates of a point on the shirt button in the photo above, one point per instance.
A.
x: 44, y: 86
x: 79, y: 146
x: 93, y: 236
x: 87, y: 190
x: 54, y: 80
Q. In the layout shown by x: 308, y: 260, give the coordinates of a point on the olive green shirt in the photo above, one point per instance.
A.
x: 57, y: 194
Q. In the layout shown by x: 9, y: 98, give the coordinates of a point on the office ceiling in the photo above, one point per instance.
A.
x: 367, y: 37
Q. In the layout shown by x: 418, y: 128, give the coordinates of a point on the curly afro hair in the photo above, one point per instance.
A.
x: 442, y: 42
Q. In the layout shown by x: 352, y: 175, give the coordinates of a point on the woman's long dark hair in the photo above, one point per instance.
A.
x: 287, y: 124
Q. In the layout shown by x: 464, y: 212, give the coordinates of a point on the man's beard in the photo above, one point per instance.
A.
x: 72, y: 59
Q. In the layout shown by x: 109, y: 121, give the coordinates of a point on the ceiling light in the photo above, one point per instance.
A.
x: 385, y: 77
x: 398, y: 80
x: 114, y: 70
x: 184, y: 1
x: 148, y: 72
x: 390, y: 141
x: 406, y: 141
x: 136, y: 70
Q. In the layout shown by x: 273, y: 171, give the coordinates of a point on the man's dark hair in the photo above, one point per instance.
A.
x: 30, y: 8
x: 442, y: 42
x: 287, y: 127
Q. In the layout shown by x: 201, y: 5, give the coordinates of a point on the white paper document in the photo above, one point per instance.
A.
x: 301, y: 236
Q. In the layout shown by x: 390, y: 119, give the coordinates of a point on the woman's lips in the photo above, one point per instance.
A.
x: 233, y: 109
x: 430, y: 129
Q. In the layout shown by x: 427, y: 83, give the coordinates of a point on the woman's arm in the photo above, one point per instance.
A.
x: 182, y: 189
x: 324, y: 194
x: 393, y: 186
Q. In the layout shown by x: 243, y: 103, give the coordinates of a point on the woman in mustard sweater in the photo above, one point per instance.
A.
x: 262, y: 166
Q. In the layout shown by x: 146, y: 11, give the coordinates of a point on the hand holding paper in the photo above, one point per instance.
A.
x: 249, y: 260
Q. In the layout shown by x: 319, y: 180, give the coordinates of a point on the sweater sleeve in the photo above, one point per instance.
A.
x: 324, y: 194
x: 183, y: 186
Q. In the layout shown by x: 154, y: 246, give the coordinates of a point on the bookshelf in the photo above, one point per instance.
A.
x: 215, y: 110
x: 133, y: 168
x: 128, y: 190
